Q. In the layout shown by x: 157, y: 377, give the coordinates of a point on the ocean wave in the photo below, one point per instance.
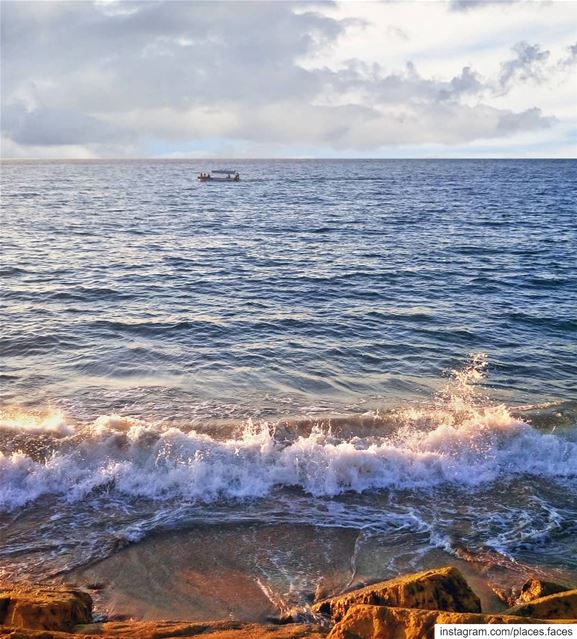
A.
x: 457, y: 444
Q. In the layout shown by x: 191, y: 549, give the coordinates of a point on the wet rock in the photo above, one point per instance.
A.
x: 44, y: 608
x: 172, y: 629
x: 537, y: 588
x: 96, y: 586
x: 504, y: 595
x: 27, y: 633
x: 295, y: 615
x: 438, y: 589
x: 369, y: 622
x: 562, y: 605
x: 211, y: 630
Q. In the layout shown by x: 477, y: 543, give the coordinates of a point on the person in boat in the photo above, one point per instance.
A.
x: 237, y: 177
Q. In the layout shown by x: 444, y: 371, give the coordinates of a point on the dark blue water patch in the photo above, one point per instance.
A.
x: 10, y: 271
x: 39, y: 344
x: 555, y: 324
x: 400, y: 315
x: 90, y: 294
x: 152, y: 329
x: 477, y: 251
x: 543, y: 283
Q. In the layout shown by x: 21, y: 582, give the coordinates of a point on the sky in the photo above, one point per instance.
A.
x: 354, y: 79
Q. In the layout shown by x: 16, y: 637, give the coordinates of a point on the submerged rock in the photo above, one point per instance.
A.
x: 370, y: 622
x: 537, y: 588
x: 439, y: 589
x: 562, y: 605
x: 48, y: 608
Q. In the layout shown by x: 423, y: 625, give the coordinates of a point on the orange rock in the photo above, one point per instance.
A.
x: 172, y: 629
x: 27, y: 633
x: 537, y: 588
x: 371, y: 622
x: 439, y: 589
x: 44, y: 608
x: 212, y: 629
x: 562, y: 605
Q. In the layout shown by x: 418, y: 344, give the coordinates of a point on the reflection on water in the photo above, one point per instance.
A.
x: 459, y: 480
x: 131, y: 287
x: 204, y: 381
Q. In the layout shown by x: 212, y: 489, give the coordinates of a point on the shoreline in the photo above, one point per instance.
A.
x: 407, y: 606
x: 254, y: 572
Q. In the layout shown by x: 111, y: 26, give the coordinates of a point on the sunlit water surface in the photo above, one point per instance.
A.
x: 384, y: 351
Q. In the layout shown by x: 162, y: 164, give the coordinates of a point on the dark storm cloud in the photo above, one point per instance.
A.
x: 83, y: 73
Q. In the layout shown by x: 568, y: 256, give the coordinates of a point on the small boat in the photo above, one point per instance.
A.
x: 219, y: 176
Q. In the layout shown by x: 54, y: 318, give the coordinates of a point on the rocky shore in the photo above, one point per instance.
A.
x: 407, y: 607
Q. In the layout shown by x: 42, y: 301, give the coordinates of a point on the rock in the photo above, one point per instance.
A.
x: 7, y: 632
x: 439, y: 589
x: 536, y: 588
x: 49, y: 608
x: 172, y: 629
x: 562, y: 605
x: 213, y: 629
x: 504, y: 595
x: 369, y: 622
x: 96, y: 586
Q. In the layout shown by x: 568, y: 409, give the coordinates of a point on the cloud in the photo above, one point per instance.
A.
x: 122, y: 75
x: 47, y: 126
x: 571, y: 58
x: 467, y: 5
x: 468, y: 82
x: 12, y: 150
x: 528, y: 64
x: 397, y: 32
x: 163, y: 52
x: 528, y: 120
x: 343, y: 127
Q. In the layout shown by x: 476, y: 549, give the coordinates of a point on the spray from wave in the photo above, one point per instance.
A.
x: 461, y: 438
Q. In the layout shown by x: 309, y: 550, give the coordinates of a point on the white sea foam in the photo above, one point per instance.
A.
x: 456, y: 441
x: 137, y: 460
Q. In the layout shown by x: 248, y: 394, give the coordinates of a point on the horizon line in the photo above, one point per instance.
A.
x: 279, y: 159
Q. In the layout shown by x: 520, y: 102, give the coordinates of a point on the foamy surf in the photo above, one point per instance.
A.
x: 460, y: 439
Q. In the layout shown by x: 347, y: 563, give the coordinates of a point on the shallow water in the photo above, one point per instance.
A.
x: 377, y: 357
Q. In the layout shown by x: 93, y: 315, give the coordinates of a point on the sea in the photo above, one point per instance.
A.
x: 232, y: 399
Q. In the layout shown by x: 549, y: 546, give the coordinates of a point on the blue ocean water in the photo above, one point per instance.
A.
x: 357, y: 331
x: 321, y: 281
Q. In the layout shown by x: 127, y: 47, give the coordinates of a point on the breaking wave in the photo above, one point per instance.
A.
x: 460, y: 438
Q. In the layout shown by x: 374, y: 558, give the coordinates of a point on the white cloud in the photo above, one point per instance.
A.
x: 46, y: 126
x: 468, y: 5
x: 13, y: 150
x: 329, y: 78
x: 571, y: 58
